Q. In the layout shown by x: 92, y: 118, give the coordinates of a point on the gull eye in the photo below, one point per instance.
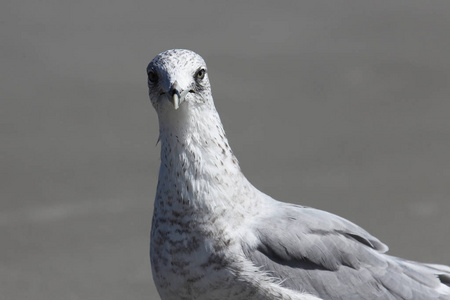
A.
x: 200, y: 74
x: 152, y: 76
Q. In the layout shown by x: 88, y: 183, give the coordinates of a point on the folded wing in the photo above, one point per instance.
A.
x: 323, y: 254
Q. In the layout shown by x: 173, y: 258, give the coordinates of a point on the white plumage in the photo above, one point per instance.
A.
x: 215, y: 236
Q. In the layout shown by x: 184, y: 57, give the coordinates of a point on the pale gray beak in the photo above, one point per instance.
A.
x: 176, y: 96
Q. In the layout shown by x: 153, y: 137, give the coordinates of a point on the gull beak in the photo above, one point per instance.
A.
x: 176, y: 95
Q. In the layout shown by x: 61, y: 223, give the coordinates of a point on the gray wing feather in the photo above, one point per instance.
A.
x: 318, y: 252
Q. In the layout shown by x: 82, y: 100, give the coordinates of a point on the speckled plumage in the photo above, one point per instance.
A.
x: 215, y: 236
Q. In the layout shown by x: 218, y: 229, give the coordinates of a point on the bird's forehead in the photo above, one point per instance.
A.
x: 177, y: 61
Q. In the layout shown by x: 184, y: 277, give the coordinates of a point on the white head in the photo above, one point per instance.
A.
x: 193, y: 142
x: 177, y: 77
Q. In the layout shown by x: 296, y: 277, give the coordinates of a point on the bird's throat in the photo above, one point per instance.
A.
x: 197, y: 160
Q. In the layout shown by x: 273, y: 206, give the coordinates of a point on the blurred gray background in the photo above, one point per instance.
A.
x: 339, y: 105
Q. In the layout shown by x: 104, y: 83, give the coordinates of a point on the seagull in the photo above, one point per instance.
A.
x: 215, y: 236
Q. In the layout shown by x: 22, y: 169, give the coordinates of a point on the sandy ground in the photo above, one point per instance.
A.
x: 338, y: 105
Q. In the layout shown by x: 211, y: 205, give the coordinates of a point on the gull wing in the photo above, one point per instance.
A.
x: 314, y: 251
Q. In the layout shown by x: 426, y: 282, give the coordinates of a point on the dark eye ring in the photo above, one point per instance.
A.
x: 152, y: 76
x: 200, y: 74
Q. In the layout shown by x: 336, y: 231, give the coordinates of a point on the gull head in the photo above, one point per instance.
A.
x: 177, y: 78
